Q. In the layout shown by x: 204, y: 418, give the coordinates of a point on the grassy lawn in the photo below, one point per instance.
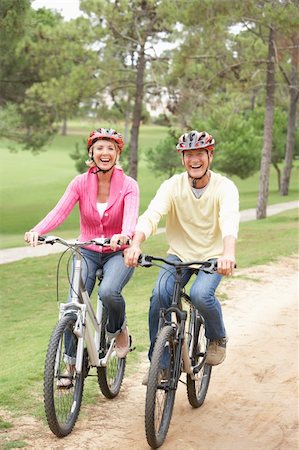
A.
x: 29, y: 309
x: 32, y: 184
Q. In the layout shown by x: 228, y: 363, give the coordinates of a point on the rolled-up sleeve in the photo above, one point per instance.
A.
x: 229, y: 215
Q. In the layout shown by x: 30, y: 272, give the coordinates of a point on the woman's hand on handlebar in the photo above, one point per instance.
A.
x: 131, y: 255
x: 118, y: 240
x: 31, y: 237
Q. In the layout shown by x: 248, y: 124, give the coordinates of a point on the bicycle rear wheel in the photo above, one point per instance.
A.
x: 197, y: 388
x: 110, y: 378
x: 159, y: 396
x: 62, y: 404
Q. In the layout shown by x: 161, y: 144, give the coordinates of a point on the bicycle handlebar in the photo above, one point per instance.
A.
x: 206, y: 266
x: 103, y: 242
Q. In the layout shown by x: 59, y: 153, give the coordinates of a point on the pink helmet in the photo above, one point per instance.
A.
x: 105, y: 133
x: 195, y: 140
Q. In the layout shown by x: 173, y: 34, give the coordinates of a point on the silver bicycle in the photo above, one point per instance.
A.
x: 79, y: 341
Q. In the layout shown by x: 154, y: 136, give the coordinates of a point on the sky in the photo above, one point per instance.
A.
x: 69, y: 9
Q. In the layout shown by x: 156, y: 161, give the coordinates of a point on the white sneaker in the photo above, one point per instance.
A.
x: 67, y: 377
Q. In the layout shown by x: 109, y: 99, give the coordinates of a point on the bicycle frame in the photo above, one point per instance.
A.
x: 179, y: 317
x: 87, y: 321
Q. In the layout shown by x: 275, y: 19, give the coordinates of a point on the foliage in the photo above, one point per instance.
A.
x: 50, y: 84
x: 164, y: 159
x: 108, y: 67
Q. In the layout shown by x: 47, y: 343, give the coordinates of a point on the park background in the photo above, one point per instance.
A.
x: 215, y: 73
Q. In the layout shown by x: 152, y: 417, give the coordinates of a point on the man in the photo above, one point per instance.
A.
x: 202, y: 210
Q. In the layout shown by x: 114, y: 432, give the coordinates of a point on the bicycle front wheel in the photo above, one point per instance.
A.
x: 197, y: 388
x: 110, y: 378
x: 63, y: 387
x: 159, y: 395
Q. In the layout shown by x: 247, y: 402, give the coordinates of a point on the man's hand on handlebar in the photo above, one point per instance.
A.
x: 226, y: 265
x: 131, y: 255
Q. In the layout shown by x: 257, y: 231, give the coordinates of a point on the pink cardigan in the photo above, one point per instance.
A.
x: 120, y: 215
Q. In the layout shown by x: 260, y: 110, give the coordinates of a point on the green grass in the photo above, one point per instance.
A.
x: 32, y: 184
x: 29, y: 310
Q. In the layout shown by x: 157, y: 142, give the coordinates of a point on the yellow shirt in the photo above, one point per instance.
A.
x: 195, y: 227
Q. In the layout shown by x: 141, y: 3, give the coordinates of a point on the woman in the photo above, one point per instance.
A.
x: 108, y: 201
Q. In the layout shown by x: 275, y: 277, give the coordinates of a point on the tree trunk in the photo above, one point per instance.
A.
x: 278, y: 172
x: 127, y: 127
x: 293, y: 90
x: 261, y: 211
x: 137, y: 111
x: 64, y: 127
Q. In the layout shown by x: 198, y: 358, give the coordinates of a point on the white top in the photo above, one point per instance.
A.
x: 101, y: 208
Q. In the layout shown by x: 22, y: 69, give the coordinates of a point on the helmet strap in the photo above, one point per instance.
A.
x: 101, y: 170
x: 194, y: 180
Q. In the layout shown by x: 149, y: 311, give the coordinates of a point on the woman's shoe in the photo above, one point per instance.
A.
x: 122, y: 343
x: 67, y: 377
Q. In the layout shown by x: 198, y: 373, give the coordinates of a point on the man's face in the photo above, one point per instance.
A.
x: 196, y: 162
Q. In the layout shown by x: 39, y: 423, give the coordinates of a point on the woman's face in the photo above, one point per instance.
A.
x: 105, y: 153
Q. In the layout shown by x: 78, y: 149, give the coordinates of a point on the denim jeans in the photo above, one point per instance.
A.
x: 115, y: 276
x: 202, y: 294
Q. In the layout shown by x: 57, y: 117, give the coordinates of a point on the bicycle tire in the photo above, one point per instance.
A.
x: 62, y: 405
x: 159, y: 397
x: 197, y: 389
x: 110, y: 378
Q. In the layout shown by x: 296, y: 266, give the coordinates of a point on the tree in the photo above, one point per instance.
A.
x: 292, y: 82
x: 231, y: 70
x: 131, y: 27
x: 14, y: 20
x: 261, y: 211
x: 164, y: 159
x: 46, y: 86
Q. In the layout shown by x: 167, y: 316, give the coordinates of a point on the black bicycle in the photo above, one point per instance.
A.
x: 182, y: 343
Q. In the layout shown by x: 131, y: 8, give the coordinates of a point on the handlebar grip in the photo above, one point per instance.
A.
x: 145, y: 260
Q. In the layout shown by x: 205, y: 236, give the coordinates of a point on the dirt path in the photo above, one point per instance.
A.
x: 252, y: 399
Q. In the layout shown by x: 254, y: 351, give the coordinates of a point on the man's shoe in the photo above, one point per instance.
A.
x: 216, y: 352
x: 122, y: 343
x: 67, y: 378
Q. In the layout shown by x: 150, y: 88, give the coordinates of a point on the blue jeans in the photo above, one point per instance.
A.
x: 202, y: 294
x: 115, y: 276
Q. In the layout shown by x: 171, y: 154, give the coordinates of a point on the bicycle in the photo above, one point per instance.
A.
x: 73, y: 338
x: 181, y: 340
